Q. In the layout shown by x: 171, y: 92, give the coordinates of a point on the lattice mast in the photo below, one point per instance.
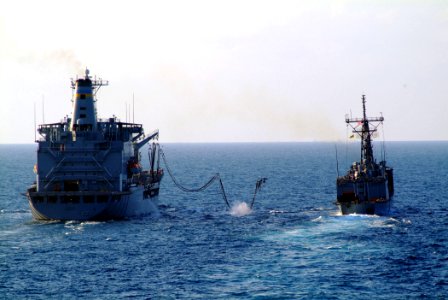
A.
x: 368, y: 128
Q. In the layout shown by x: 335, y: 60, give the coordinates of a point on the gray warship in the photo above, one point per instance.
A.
x: 368, y: 186
x: 89, y: 168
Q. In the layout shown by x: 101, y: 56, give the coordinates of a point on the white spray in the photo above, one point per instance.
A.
x: 240, y: 209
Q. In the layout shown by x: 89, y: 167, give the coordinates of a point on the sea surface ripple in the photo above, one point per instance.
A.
x: 292, y: 244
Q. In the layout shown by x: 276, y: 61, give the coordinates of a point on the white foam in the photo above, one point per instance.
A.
x: 318, y: 219
x: 91, y: 223
x: 240, y: 209
x: 277, y: 211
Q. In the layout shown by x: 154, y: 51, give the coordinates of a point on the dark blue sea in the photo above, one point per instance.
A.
x: 293, y: 244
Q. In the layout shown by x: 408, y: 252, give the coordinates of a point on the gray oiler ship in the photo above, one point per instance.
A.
x: 368, y: 186
x: 89, y: 169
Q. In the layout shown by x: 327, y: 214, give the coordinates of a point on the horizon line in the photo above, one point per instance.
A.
x: 253, y: 142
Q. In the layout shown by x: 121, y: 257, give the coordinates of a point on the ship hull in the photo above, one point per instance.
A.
x: 371, y: 196
x: 83, y: 206
x: 365, y: 208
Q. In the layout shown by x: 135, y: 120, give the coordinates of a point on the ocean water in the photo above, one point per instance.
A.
x: 293, y: 244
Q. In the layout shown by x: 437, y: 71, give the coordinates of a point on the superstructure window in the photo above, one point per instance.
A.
x: 89, y: 199
x: 52, y: 199
x: 38, y: 199
x: 82, y: 116
x: 82, y: 96
x: 83, y: 108
x: 102, y: 198
x: 70, y: 199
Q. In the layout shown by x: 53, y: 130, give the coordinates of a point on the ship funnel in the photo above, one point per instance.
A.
x: 84, y: 104
x: 84, y: 110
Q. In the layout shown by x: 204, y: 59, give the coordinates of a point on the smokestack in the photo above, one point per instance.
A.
x: 84, y: 110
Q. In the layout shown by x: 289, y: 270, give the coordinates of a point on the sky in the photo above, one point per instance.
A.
x: 229, y: 71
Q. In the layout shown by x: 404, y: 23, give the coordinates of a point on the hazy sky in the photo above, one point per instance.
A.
x: 227, y: 71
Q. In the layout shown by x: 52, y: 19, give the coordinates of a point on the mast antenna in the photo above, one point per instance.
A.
x: 337, y: 161
x: 43, y: 109
x: 364, y: 106
x: 35, y: 139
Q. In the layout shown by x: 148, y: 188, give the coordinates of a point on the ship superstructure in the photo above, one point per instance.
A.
x: 368, y: 186
x: 89, y: 169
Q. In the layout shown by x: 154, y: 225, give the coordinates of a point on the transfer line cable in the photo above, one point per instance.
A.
x: 200, y: 189
x: 258, y: 186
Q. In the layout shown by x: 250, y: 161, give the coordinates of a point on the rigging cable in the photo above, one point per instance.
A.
x: 337, y: 161
x: 200, y: 189
x: 384, y: 142
x: 346, y: 145
x: 258, y: 184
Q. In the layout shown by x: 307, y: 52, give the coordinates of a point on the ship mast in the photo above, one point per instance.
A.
x: 365, y: 133
x: 366, y: 146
